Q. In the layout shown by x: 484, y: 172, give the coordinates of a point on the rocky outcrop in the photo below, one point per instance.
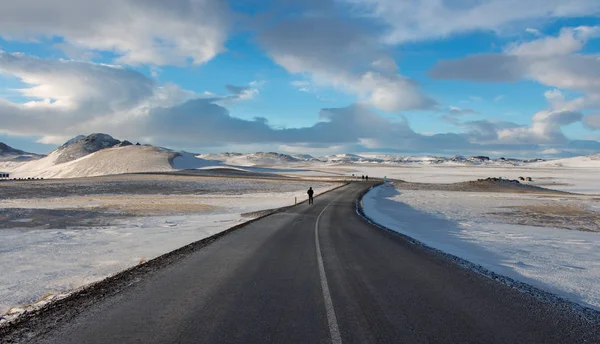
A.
x: 81, y: 146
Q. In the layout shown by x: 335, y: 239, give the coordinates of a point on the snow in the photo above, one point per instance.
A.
x: 108, y: 161
x: 563, y: 262
x: 578, y: 180
x: 38, y: 262
x: 592, y: 161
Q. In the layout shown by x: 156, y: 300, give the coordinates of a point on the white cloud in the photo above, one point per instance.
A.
x: 567, y: 42
x: 592, y: 121
x: 551, y: 61
x: 139, y: 32
x: 533, y: 31
x: 300, y: 83
x: 168, y: 115
x: 303, y: 86
x: 344, y: 55
x: 72, y: 84
x: 545, y: 126
x: 243, y: 92
x: 429, y: 19
x: 551, y: 151
x: 70, y: 97
x: 455, y: 110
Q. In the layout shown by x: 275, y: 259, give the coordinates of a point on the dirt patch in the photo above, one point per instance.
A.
x: 566, y: 216
x: 55, y: 218
x: 480, y: 185
x: 160, y: 207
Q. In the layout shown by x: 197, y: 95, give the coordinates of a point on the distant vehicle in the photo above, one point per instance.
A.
x: 4, y: 175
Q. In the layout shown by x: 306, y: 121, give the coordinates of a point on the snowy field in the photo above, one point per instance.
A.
x: 549, y: 241
x: 58, y: 235
x: 579, y: 179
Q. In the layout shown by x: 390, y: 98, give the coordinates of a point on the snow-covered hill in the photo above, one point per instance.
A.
x: 7, y: 153
x: 578, y: 161
x: 263, y: 159
x: 115, y: 160
x: 101, y: 154
x: 81, y: 146
x: 419, y: 160
x: 93, y: 155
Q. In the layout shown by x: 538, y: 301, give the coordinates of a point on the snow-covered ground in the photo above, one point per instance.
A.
x: 528, y: 237
x: 48, y: 261
x: 582, y: 179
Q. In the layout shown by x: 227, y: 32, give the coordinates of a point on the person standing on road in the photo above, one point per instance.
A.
x: 310, y: 193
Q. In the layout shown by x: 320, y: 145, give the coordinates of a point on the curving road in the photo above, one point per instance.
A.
x: 319, y: 274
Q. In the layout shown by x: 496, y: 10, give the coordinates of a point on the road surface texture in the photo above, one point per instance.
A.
x: 320, y: 274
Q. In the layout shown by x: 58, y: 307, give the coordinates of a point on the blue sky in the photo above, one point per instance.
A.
x: 494, y: 77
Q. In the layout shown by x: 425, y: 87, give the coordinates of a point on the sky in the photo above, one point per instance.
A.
x: 518, y: 78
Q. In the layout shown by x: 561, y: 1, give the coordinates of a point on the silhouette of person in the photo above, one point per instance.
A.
x: 367, y: 178
x: 363, y: 177
x: 310, y: 193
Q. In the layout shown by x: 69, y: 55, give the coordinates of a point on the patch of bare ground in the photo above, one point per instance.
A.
x: 480, y: 185
x: 97, y: 210
x: 142, y: 205
x: 11, y: 218
x: 566, y: 216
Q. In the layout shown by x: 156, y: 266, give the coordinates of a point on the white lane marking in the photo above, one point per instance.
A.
x: 334, y: 331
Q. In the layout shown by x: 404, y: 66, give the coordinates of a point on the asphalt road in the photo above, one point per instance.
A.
x: 319, y: 274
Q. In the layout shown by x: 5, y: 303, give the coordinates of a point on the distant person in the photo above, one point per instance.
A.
x: 310, y: 193
x: 363, y: 177
x: 367, y: 178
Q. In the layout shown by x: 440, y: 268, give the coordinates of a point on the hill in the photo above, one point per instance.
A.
x: 7, y: 153
x: 578, y: 161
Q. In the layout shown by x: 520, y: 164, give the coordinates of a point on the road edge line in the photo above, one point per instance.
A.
x: 334, y: 330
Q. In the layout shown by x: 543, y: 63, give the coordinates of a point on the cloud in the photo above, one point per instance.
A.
x: 533, y: 31
x: 486, y: 131
x: 592, y: 121
x: 138, y: 32
x: 342, y: 53
x: 70, y: 98
x: 243, y: 92
x: 545, y: 125
x: 97, y: 87
x: 202, y: 122
x: 551, y: 61
x: 567, y: 42
x: 481, y: 68
x: 431, y: 19
x: 457, y: 111
x: 545, y: 128
x: 303, y: 86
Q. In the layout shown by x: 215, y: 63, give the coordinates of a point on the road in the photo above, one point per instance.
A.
x: 319, y: 274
